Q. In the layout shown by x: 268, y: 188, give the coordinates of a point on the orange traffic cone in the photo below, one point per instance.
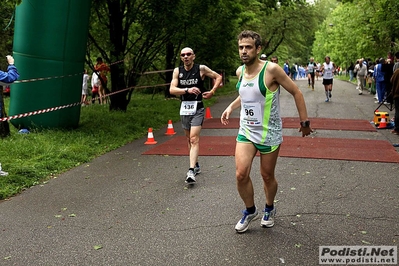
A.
x: 150, y: 138
x: 208, y: 113
x: 170, y: 131
x: 383, y: 122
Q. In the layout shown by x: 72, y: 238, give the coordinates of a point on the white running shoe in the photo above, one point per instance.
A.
x: 243, y: 223
x: 190, y: 177
x: 268, y: 218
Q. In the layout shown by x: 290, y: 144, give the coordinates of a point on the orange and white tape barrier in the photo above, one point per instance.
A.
x: 47, y: 110
x: 52, y: 109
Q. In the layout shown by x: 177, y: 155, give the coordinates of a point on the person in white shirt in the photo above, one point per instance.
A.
x: 361, y: 70
x: 328, y: 69
x: 85, y: 91
x: 95, y: 84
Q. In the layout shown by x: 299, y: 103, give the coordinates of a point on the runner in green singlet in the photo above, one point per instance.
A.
x: 260, y: 125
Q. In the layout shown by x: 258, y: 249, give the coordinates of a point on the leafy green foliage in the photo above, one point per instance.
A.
x: 286, y: 27
x: 358, y: 29
x: 7, y: 12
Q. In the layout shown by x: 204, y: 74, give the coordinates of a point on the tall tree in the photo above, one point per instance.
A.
x: 147, y: 35
x: 131, y: 33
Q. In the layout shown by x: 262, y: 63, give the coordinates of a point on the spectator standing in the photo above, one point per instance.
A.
x: 95, y: 83
x: 355, y: 70
x: 395, y: 93
x: 365, y: 62
x: 85, y: 91
x: 375, y: 63
x: 361, y: 70
x: 302, y: 72
x: 387, y: 68
x: 379, y: 77
x: 369, y: 80
x: 350, y: 71
x: 102, y: 69
x: 294, y: 71
x: 286, y: 68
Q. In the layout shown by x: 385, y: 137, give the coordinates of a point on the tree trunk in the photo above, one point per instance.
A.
x: 169, y: 65
x: 118, y: 100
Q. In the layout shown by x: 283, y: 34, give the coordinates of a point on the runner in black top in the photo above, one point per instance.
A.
x: 188, y: 82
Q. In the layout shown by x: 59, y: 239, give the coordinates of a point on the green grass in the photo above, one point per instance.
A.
x: 36, y: 157
x: 346, y: 78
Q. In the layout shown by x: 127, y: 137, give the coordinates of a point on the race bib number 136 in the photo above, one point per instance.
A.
x: 188, y: 107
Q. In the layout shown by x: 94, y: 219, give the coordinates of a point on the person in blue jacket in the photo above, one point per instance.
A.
x: 11, y: 74
x: 379, y: 77
x: 286, y: 68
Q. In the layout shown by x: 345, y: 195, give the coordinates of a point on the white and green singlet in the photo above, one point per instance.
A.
x: 260, y: 120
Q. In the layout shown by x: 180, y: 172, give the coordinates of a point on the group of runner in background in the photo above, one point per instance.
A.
x: 313, y: 70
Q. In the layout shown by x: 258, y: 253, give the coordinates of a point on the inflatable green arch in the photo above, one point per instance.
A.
x: 49, y: 42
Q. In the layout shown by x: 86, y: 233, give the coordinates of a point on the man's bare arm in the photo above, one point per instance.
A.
x: 213, y: 75
x: 174, y: 89
x: 281, y: 78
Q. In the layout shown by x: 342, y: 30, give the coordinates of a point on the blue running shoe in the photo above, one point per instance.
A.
x: 243, y: 224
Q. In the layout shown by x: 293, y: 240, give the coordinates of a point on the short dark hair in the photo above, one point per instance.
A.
x: 397, y: 55
x: 251, y: 34
x: 99, y: 59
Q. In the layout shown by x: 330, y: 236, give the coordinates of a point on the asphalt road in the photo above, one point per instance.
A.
x: 125, y: 208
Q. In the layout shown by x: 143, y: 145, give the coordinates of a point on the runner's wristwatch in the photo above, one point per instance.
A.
x: 305, y: 123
